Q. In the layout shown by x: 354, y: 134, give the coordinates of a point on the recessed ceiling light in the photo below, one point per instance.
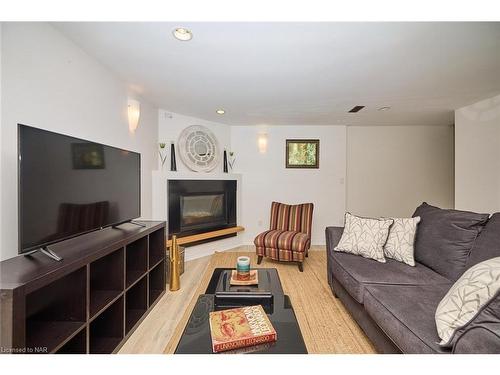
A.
x: 182, y: 34
x: 220, y: 111
x: 384, y: 108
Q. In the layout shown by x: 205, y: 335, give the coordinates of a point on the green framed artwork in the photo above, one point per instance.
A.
x: 302, y: 153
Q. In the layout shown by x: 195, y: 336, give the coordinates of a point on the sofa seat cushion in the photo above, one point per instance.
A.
x: 355, y: 273
x: 283, y: 240
x: 406, y: 315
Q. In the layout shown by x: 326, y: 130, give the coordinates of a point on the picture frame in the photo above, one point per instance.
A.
x: 302, y: 153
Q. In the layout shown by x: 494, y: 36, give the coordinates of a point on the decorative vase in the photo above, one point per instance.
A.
x: 174, y: 279
x: 173, y: 164
x: 231, y: 160
x: 225, y: 161
x: 163, y: 154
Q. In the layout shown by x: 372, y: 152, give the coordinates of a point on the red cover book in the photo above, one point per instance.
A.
x: 237, y: 328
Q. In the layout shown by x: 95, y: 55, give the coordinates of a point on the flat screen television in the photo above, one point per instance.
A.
x: 70, y: 186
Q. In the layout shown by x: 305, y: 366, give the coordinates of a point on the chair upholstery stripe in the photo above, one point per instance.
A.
x: 306, y: 218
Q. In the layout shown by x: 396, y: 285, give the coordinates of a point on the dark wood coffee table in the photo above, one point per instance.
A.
x: 196, y: 336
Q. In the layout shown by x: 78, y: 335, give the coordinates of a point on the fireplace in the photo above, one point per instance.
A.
x: 198, y: 206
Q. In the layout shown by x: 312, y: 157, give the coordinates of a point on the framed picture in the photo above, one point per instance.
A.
x: 302, y: 153
x: 87, y: 156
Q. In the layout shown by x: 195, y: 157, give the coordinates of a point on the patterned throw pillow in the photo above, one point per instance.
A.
x: 364, y: 236
x: 399, y: 245
x: 467, y: 296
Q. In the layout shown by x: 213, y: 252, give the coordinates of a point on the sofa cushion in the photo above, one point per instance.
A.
x: 467, y: 297
x: 406, y: 315
x: 401, y: 240
x: 487, y: 245
x: 364, y: 236
x: 445, y: 238
x: 355, y: 273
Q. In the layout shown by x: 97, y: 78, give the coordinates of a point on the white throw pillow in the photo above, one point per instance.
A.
x: 474, y: 289
x: 399, y: 245
x: 364, y: 236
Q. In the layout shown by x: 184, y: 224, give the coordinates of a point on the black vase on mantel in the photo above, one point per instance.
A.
x: 173, y: 164
x: 225, y: 161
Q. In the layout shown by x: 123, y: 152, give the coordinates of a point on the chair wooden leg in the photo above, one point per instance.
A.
x: 259, y: 259
x: 301, y: 267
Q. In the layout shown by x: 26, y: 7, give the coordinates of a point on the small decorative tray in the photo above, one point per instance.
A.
x: 254, y: 278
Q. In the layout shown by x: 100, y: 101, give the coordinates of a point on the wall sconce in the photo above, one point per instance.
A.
x: 134, y: 112
x: 262, y: 143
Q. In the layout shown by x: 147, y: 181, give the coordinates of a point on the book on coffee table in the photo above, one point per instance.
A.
x: 240, y: 327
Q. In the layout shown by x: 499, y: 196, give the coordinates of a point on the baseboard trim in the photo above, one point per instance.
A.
x: 243, y: 248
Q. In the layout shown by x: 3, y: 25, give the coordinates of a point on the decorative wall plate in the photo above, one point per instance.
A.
x: 198, y: 148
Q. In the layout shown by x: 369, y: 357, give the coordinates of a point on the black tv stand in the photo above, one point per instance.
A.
x: 45, y: 250
x: 92, y: 301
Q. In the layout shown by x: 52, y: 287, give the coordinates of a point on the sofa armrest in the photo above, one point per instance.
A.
x: 333, y: 235
x: 484, y: 339
x: 482, y: 333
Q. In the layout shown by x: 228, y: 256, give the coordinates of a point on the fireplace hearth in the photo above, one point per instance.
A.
x: 199, y: 206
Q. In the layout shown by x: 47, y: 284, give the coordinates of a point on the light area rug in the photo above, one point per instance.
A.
x: 325, y: 324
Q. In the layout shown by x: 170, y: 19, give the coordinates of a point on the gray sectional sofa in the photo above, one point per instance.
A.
x: 395, y: 303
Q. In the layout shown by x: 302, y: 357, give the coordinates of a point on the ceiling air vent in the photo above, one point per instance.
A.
x: 356, y: 108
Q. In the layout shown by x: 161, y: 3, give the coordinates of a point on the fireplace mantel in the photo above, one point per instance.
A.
x: 186, y: 175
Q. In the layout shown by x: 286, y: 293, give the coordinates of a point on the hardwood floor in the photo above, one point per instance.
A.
x: 325, y: 324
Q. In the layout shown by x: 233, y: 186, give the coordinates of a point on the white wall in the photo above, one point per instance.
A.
x: 50, y: 83
x: 392, y: 169
x: 389, y: 171
x: 265, y: 178
x: 477, y: 156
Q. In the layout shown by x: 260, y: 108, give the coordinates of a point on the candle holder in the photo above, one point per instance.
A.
x: 243, y: 268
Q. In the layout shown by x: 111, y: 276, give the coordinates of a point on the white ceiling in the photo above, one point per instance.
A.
x: 303, y: 73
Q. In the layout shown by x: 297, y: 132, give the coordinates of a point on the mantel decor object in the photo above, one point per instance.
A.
x: 232, y: 159
x: 163, y: 153
x: 225, y: 162
x: 199, y: 148
x: 173, y: 164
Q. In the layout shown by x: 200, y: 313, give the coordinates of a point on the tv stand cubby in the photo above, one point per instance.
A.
x: 92, y: 300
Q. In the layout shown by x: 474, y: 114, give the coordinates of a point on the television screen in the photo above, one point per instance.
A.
x: 69, y: 186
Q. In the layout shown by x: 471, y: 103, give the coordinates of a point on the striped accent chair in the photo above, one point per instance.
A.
x: 289, y: 236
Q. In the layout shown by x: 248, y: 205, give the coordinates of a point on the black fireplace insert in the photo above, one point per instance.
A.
x: 198, y: 206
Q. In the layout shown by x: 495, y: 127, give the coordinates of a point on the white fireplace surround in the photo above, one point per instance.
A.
x: 160, y: 207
